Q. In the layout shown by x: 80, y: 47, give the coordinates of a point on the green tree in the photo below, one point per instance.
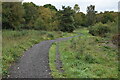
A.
x: 80, y: 19
x: 66, y: 19
x: 90, y: 15
x: 76, y: 8
x: 50, y: 7
x: 31, y: 14
x: 107, y: 16
x: 12, y: 15
x: 46, y: 19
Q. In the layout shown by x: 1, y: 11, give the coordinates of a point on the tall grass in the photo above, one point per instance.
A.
x: 16, y: 42
x: 87, y: 57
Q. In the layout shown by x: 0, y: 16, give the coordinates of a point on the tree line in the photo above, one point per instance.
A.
x: 18, y: 15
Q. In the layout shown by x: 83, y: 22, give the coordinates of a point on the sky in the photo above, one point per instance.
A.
x: 100, y: 5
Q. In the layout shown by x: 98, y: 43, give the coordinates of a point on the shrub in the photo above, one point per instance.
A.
x: 99, y: 29
x: 116, y: 39
x: 50, y: 36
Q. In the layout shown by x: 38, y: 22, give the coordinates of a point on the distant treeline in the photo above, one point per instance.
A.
x: 18, y: 15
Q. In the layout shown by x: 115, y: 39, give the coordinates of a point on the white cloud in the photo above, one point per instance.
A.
x: 101, y: 5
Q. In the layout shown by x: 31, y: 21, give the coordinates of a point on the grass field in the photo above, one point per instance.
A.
x: 86, y: 56
x: 16, y: 42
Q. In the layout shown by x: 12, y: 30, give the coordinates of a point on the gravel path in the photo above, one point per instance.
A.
x: 34, y: 63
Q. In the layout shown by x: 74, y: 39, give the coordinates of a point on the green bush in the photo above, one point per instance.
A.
x: 116, y: 39
x: 50, y: 35
x: 99, y: 29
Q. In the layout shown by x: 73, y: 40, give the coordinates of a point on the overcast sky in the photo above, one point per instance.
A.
x: 101, y: 5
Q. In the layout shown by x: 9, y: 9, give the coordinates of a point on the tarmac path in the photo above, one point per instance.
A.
x: 35, y: 61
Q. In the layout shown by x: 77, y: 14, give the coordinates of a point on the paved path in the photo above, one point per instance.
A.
x: 34, y: 63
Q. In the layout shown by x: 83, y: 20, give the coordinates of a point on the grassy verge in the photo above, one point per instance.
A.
x: 16, y: 42
x: 52, y: 58
x: 86, y: 57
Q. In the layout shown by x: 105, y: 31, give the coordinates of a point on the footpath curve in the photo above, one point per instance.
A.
x: 35, y: 61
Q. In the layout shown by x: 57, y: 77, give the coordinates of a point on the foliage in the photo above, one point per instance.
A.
x: 116, y: 39
x: 50, y: 7
x: 99, y: 29
x: 12, y: 15
x: 31, y: 14
x: 66, y: 19
x: 90, y: 15
x: 80, y: 19
x: 46, y: 19
x: 20, y: 41
x: 85, y: 57
x: 107, y: 16
x: 27, y: 15
x: 76, y: 8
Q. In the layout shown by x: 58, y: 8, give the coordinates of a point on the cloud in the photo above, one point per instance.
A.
x: 101, y: 5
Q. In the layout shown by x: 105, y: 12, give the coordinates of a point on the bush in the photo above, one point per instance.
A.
x: 99, y: 29
x: 116, y: 39
x: 50, y: 35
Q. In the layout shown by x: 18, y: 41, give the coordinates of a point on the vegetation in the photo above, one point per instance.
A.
x: 10, y: 18
x: 16, y: 42
x: 90, y: 15
x: 86, y: 56
x: 50, y: 7
x: 99, y: 29
x: 92, y: 55
x: 67, y: 20
x: 48, y: 18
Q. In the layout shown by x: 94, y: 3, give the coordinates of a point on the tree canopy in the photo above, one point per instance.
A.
x: 27, y: 15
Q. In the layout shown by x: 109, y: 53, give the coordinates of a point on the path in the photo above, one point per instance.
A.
x: 34, y: 63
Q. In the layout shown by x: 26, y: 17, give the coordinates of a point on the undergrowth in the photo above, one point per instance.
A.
x: 86, y: 56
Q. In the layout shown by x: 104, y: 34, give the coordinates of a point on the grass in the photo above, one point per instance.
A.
x: 52, y: 59
x: 16, y: 42
x: 82, y: 57
x: 86, y: 56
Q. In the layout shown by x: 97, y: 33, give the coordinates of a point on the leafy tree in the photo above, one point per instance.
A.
x: 90, y: 15
x: 80, y: 19
x: 76, y: 8
x: 106, y: 17
x: 31, y: 13
x: 12, y: 15
x: 99, y: 29
x: 46, y: 19
x: 66, y: 19
x: 50, y: 7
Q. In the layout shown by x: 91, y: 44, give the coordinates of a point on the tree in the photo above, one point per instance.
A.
x: 90, y: 15
x: 80, y: 19
x: 106, y: 17
x: 66, y: 19
x: 76, y: 8
x: 31, y: 14
x: 12, y: 15
x: 50, y: 7
x: 46, y: 19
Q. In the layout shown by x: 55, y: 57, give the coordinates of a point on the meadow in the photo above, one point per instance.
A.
x: 85, y: 56
x: 94, y: 54
x: 16, y: 42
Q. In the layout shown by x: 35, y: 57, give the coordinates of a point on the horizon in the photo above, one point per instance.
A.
x: 99, y: 6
